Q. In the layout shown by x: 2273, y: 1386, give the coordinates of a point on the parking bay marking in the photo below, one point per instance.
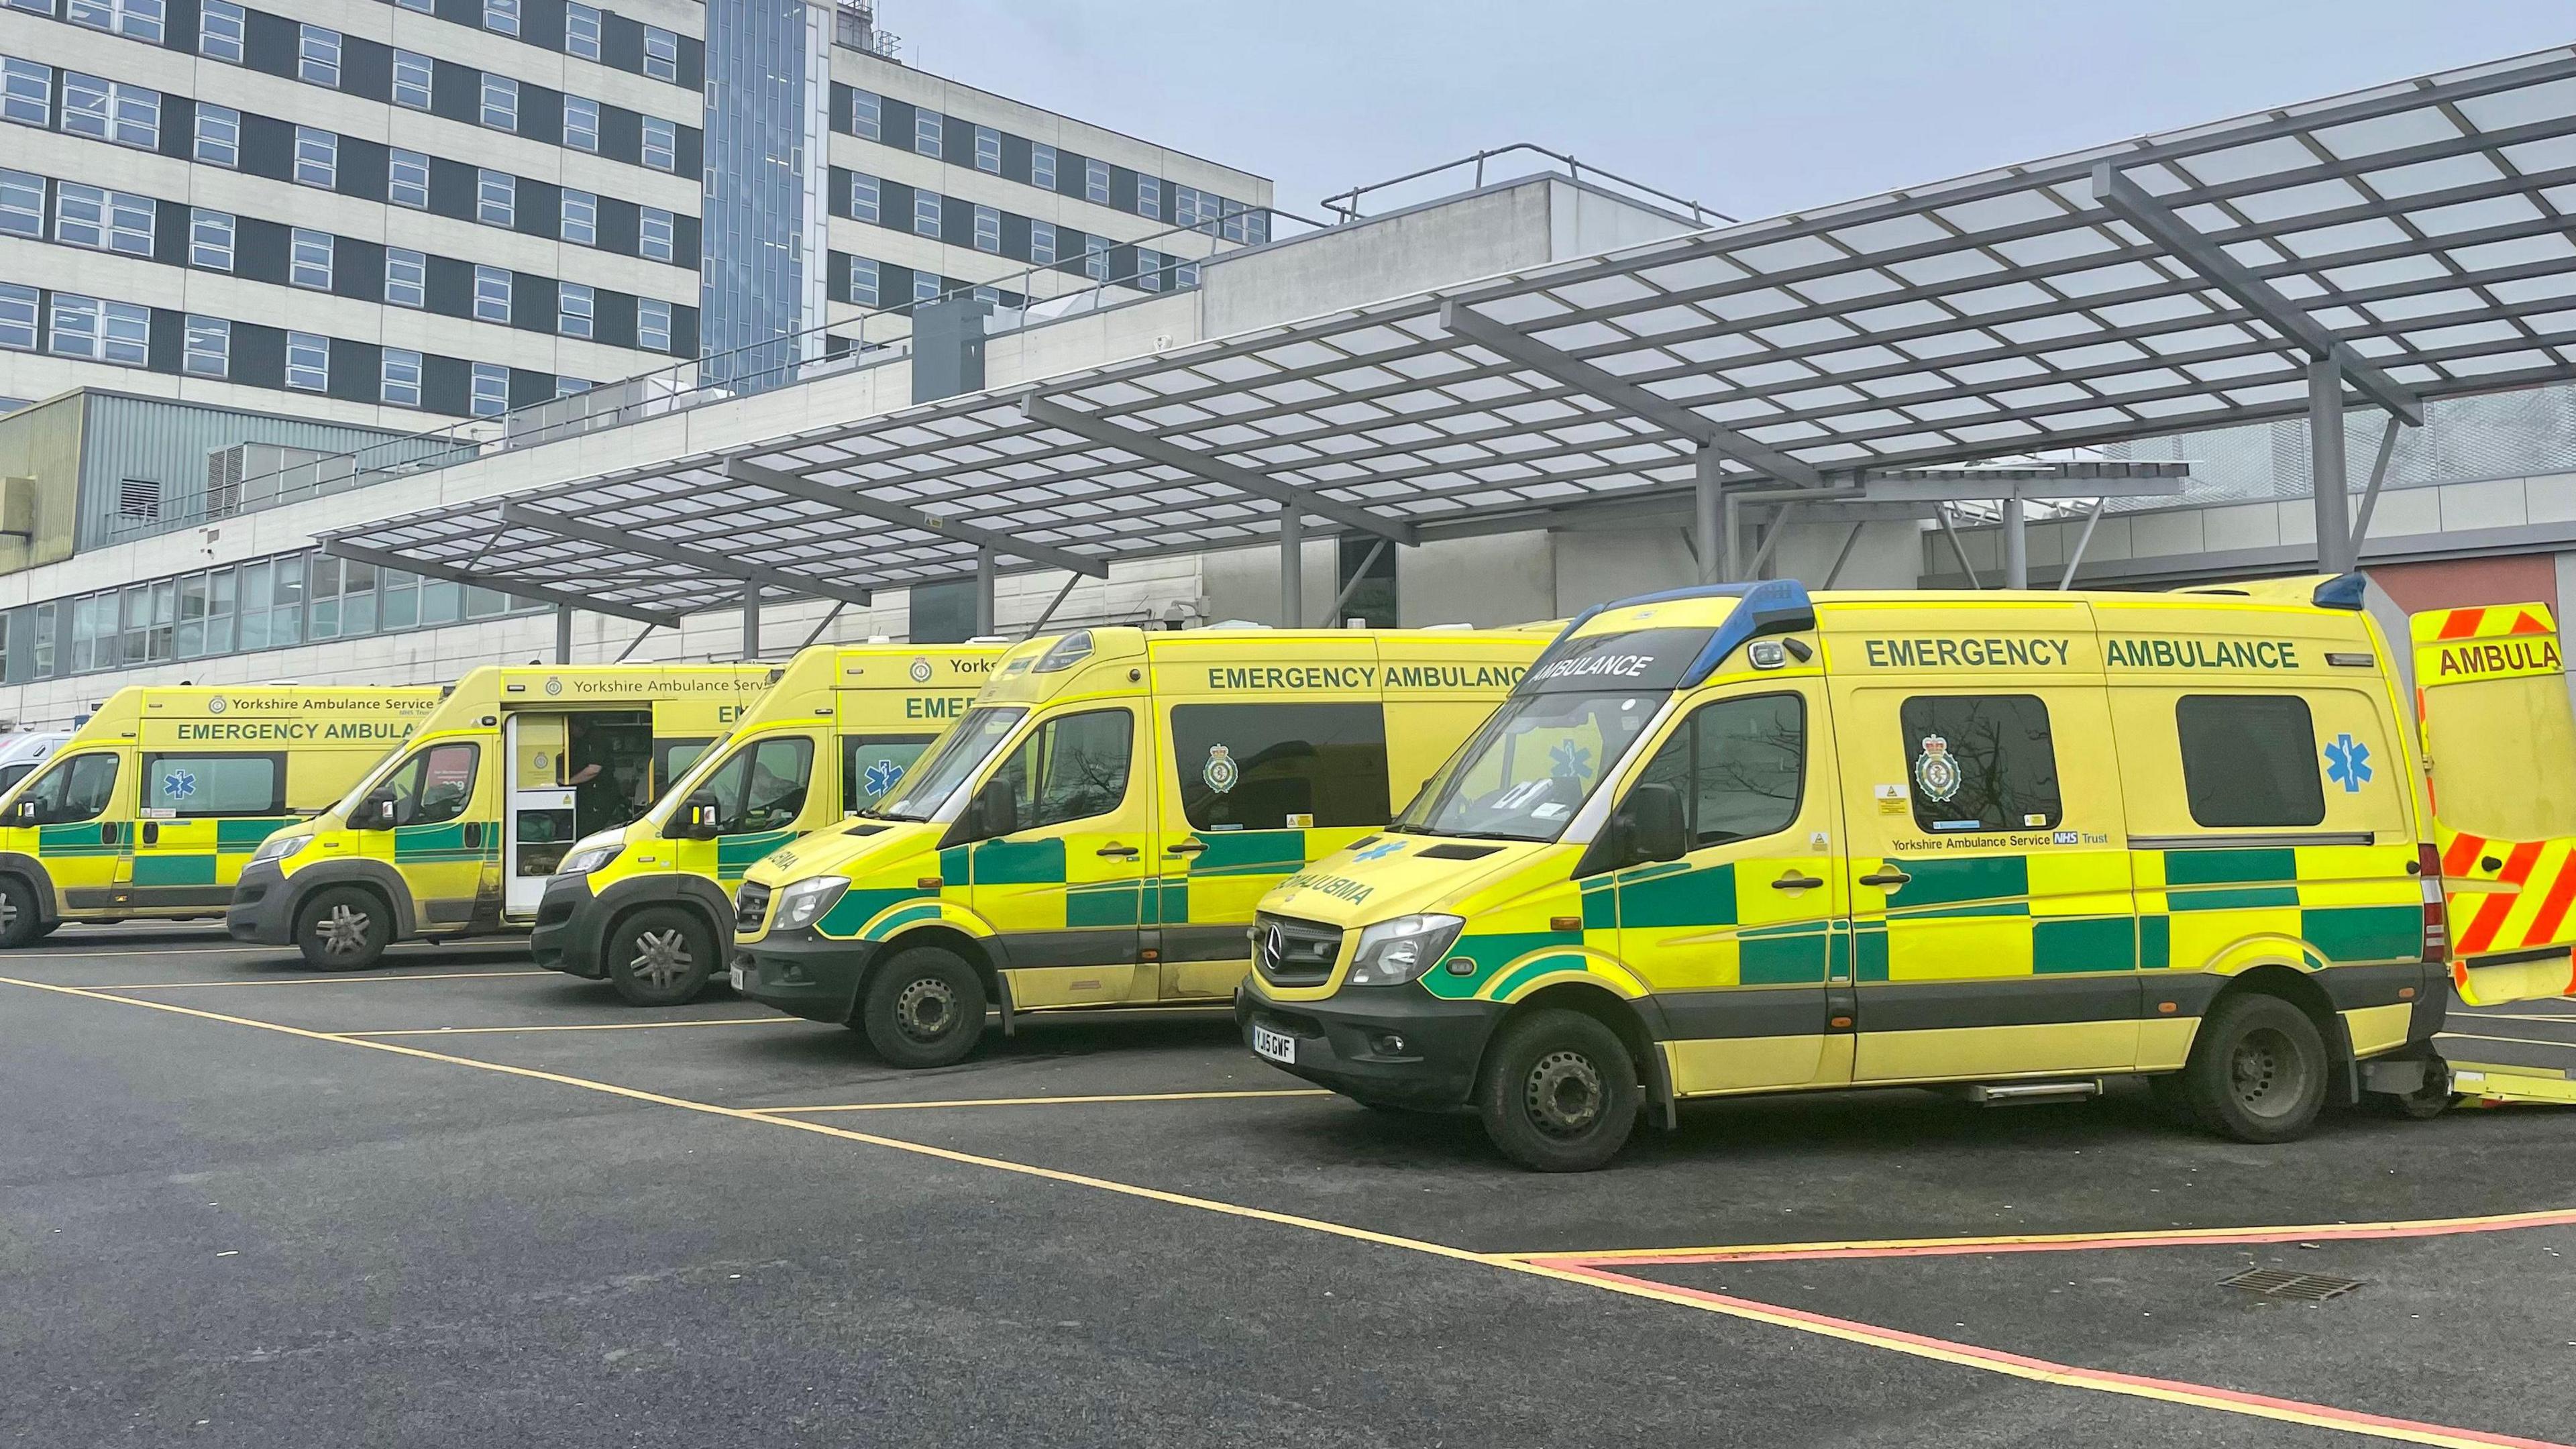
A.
x: 1049, y: 1101
x: 1867, y: 1335
x: 317, y: 980
x: 579, y: 1026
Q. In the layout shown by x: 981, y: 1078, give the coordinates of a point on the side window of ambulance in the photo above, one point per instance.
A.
x: 75, y: 790
x: 672, y: 759
x: 1071, y: 767
x: 1980, y: 762
x: 762, y: 787
x: 1280, y: 766
x: 2249, y: 761
x: 195, y: 786
x: 434, y: 786
x: 870, y: 764
x: 1740, y: 765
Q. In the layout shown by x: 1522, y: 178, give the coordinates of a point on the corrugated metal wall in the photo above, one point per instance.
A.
x: 165, y: 444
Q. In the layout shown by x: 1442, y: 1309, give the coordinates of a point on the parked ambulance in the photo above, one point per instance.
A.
x: 649, y: 907
x: 155, y: 804
x: 1740, y: 840
x: 1095, y: 830
x: 458, y: 832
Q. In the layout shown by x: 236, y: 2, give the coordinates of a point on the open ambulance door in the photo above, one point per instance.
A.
x: 2500, y: 751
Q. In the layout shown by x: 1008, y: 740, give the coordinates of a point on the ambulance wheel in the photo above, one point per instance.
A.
x: 20, y: 921
x: 1558, y: 1092
x: 46, y: 928
x: 923, y: 1008
x: 342, y: 928
x: 2258, y: 1071
x: 661, y: 956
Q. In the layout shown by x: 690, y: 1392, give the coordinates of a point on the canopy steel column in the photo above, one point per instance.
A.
x: 563, y: 633
x: 750, y: 622
x: 2016, y: 542
x: 1292, y: 568
x: 2326, y: 467
x: 1716, y: 555
x: 983, y: 593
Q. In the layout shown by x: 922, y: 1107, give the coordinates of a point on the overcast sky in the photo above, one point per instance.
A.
x: 1751, y: 108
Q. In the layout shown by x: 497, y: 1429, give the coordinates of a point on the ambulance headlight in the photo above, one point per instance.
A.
x: 804, y: 903
x: 583, y: 862
x: 1392, y: 953
x: 279, y: 847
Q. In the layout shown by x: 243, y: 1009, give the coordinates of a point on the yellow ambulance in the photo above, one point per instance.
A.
x: 648, y: 906
x: 1740, y: 840
x: 458, y: 832
x: 1095, y: 830
x: 156, y: 803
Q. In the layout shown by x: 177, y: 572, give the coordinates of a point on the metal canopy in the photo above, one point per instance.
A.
x: 2419, y: 229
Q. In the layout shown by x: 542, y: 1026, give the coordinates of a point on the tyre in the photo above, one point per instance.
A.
x: 2172, y: 1095
x: 2258, y: 1071
x: 923, y: 1008
x: 343, y: 928
x: 46, y: 928
x: 660, y: 956
x: 20, y: 920
x: 1558, y: 1092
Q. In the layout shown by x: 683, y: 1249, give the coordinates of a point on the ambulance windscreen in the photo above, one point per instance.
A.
x: 957, y: 758
x: 1525, y: 773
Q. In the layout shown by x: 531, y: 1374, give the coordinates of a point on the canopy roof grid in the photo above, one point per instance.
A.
x: 2417, y: 232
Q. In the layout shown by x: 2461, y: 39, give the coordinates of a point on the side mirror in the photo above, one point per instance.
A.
x: 30, y: 813
x: 1650, y: 825
x: 701, y: 811
x: 997, y: 809
x: 376, y: 812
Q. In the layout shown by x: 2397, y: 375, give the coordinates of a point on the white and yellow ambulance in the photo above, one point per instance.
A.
x: 458, y: 832
x: 155, y: 804
x: 1739, y: 839
x: 649, y: 906
x: 1095, y: 830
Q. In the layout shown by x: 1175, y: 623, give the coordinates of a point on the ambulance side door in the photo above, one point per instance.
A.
x: 1062, y: 885
x: 81, y: 825
x: 202, y: 814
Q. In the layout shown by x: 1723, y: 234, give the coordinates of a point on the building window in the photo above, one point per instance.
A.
x: 988, y: 230
x: 491, y: 293
x: 133, y: 19
x: 925, y: 288
x: 210, y: 347
x: 401, y: 378
x: 496, y: 198
x: 988, y: 150
x: 103, y: 331
x: 413, y: 76
x: 407, y: 178
x: 218, y: 134
x: 866, y: 282
x: 425, y: 7
x: 2006, y: 763
x: 652, y: 324
x: 866, y: 198
x: 1186, y: 275
x: 566, y: 386
x: 27, y: 92
x: 103, y: 220
x: 655, y: 231
x: 317, y: 157
x: 581, y: 31
x: 501, y: 17
x: 1095, y: 258
x: 1095, y: 182
x: 308, y: 361
x: 867, y: 115
x: 18, y: 317
x: 1042, y: 166
x: 1149, y: 197
x: 22, y: 203
x: 317, y: 55
x: 491, y: 390
x: 500, y: 102
x: 926, y: 132
x: 406, y: 277
x: 210, y: 239
x: 219, y: 30
x: 925, y: 213
x: 111, y: 111
x: 1042, y: 243
x: 1149, y: 274
x: 581, y: 123
x: 573, y: 309
x: 661, y: 144
x: 580, y: 217
x: 309, y: 259
x: 661, y: 54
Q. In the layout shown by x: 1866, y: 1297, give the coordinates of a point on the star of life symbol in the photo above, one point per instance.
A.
x: 1936, y: 770
x: 1568, y: 760
x: 178, y: 785
x: 1221, y: 772
x: 881, y: 775
x: 2348, y: 763
x: 1376, y: 851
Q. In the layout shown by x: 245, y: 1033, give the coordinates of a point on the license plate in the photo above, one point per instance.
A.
x: 1278, y: 1046
x: 739, y: 978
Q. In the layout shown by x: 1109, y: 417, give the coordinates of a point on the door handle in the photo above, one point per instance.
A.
x: 1186, y: 847
x: 2490, y: 863
x: 473, y: 835
x: 152, y: 832
x: 1122, y: 852
x: 107, y: 833
x: 1885, y: 875
x: 1793, y: 881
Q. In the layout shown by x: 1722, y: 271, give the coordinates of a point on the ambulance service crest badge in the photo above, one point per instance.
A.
x: 1936, y: 770
x: 1221, y: 772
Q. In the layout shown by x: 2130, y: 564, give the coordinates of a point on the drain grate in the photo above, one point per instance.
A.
x: 2282, y: 1283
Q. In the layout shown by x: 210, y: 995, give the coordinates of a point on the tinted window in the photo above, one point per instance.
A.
x: 1280, y: 766
x: 672, y: 759
x: 762, y: 787
x: 1980, y: 762
x: 77, y: 789
x: 198, y: 785
x: 12, y: 774
x: 1739, y: 764
x: 1071, y: 767
x: 434, y: 786
x: 2249, y: 760
x: 870, y: 764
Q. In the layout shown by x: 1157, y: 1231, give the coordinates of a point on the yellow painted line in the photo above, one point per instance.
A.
x: 2562, y: 1019
x: 582, y: 1026
x: 1892, y: 1340
x: 317, y: 980
x: 2516, y: 1040
x: 1044, y: 1101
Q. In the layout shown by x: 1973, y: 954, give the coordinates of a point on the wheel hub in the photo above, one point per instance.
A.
x: 662, y: 957
x: 2267, y: 1073
x: 1564, y: 1093
x: 925, y: 1009
x: 343, y: 932
x: 8, y: 912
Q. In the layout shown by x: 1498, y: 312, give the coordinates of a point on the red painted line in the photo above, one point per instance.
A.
x: 2464, y: 853
x: 2022, y: 1365
x: 2491, y: 914
x: 2523, y: 623
x: 2553, y: 907
x: 2462, y: 623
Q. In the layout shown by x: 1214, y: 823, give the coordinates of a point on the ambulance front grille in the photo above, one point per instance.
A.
x: 750, y: 907
x: 1294, y: 953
